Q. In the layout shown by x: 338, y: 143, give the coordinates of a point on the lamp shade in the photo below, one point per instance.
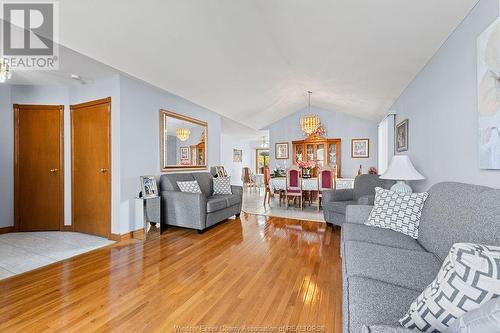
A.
x: 401, y: 168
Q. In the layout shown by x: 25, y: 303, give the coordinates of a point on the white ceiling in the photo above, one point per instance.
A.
x: 253, y: 60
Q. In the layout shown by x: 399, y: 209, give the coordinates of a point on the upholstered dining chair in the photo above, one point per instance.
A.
x: 327, y: 180
x: 247, y: 177
x: 293, y: 187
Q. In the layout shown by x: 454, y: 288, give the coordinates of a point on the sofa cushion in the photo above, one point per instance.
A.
x: 338, y: 206
x: 231, y: 199
x: 215, y: 204
x: 205, y: 180
x: 222, y: 185
x: 405, y: 268
x: 364, y: 233
x: 189, y: 186
x: 372, y: 302
x: 457, y: 213
x: 168, y: 182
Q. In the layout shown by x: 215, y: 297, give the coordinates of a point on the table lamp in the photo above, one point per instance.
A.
x: 401, y: 169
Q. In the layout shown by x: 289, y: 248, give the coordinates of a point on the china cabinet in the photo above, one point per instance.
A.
x: 324, y: 151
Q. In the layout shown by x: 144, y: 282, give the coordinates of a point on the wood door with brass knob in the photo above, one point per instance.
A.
x: 91, y: 165
x: 38, y: 167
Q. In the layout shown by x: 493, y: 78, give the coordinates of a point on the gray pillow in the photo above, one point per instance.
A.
x: 485, y: 319
x: 189, y: 186
x: 222, y: 185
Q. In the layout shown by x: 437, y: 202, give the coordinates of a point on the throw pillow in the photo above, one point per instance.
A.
x: 222, y: 185
x: 190, y: 186
x: 397, y: 211
x: 469, y: 277
x: 485, y: 319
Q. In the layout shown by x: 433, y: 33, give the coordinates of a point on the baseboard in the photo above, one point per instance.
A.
x: 5, y: 230
x: 132, y: 234
x: 67, y: 228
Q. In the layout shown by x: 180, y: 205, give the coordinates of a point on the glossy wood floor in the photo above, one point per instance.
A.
x: 255, y: 272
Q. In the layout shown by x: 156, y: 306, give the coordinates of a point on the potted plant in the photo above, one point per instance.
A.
x: 306, y: 167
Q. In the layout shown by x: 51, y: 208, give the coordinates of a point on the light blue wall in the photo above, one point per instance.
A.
x: 140, y: 140
x: 441, y: 105
x: 338, y: 125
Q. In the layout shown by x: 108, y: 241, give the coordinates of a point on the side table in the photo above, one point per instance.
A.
x: 147, y: 213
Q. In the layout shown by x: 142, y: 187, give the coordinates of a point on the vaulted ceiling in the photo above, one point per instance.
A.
x: 253, y: 60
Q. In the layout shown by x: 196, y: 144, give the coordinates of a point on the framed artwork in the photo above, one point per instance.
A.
x: 220, y: 171
x: 184, y: 153
x: 488, y: 93
x: 237, y: 155
x: 148, y: 186
x: 402, y: 136
x: 360, y: 148
x: 281, y: 151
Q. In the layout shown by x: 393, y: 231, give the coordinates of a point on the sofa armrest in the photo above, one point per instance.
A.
x: 368, y: 199
x: 386, y: 329
x: 357, y: 213
x: 237, y: 190
x: 184, y: 209
x: 337, y: 195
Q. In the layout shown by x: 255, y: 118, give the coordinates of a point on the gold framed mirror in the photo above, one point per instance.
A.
x: 183, y: 142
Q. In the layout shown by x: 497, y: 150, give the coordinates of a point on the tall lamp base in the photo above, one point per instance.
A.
x: 401, y: 187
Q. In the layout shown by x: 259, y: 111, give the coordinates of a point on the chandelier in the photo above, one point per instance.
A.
x: 182, y: 133
x: 5, y: 72
x: 310, y: 123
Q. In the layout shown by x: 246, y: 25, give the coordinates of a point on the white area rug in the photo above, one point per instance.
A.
x: 253, y: 203
x: 25, y: 251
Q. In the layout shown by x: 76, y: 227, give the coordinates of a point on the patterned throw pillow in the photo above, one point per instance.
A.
x: 222, y: 185
x: 189, y: 186
x: 469, y: 277
x: 397, y: 211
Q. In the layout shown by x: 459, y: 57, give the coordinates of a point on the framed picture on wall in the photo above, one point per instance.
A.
x: 402, y: 136
x: 360, y: 148
x: 148, y: 186
x: 237, y: 155
x: 281, y: 150
x: 184, y: 154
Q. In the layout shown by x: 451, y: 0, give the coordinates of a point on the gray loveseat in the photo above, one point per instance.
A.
x: 363, y: 193
x: 384, y: 271
x: 196, y: 210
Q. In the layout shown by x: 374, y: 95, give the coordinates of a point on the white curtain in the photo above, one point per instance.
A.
x: 385, y: 143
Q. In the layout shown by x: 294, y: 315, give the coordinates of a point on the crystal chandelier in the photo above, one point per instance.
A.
x: 5, y: 72
x: 310, y: 123
x: 182, y: 133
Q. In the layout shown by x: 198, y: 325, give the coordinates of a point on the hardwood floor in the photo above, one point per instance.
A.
x: 255, y: 272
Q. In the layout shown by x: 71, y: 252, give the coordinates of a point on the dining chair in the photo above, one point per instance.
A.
x: 293, y: 187
x: 267, y: 187
x: 248, y: 179
x: 327, y: 180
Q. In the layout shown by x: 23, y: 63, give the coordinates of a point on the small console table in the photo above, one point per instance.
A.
x: 147, y: 213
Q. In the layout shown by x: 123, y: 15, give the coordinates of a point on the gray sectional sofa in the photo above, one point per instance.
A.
x: 196, y: 210
x: 384, y: 271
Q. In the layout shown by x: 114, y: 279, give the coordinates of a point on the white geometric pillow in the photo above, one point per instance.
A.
x: 469, y: 277
x: 222, y: 185
x: 189, y: 186
x: 397, y: 211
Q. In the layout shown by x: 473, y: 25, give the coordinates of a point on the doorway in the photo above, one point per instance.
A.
x: 261, y: 160
x: 91, y: 167
x: 38, y: 167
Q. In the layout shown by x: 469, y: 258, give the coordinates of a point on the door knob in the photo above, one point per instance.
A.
x: 53, y: 170
x: 104, y: 170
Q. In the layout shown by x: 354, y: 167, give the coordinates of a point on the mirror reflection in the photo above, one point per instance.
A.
x: 183, y: 142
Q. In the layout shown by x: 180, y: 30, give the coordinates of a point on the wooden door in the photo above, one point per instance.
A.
x: 38, y: 167
x: 91, y: 167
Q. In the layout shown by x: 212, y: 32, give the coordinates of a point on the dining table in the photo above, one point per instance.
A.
x: 310, y: 184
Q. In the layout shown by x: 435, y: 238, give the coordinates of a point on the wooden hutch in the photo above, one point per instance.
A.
x: 316, y: 148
